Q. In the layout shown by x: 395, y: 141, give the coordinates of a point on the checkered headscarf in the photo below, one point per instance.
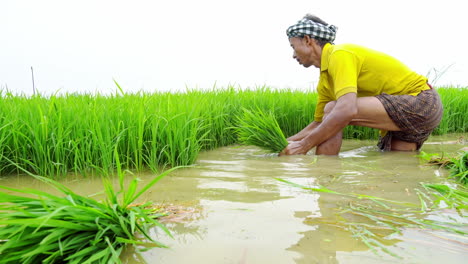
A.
x: 313, y: 29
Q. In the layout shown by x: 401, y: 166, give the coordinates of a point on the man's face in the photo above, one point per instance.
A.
x: 306, y: 51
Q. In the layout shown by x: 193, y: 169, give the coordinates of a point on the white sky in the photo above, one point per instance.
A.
x: 81, y: 46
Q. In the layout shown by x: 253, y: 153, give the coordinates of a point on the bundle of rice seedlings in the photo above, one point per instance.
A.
x: 259, y: 128
x: 38, y: 227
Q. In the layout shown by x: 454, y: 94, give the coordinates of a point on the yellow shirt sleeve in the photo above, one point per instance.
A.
x: 318, y: 116
x: 323, y: 99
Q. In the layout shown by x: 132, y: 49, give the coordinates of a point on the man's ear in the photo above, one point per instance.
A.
x: 308, y: 40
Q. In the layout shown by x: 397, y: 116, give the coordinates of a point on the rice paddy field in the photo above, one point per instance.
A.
x: 73, y: 133
x: 225, y: 201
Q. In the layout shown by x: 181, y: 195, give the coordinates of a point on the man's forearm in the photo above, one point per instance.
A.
x: 304, y: 132
x: 325, y: 130
x: 334, y: 122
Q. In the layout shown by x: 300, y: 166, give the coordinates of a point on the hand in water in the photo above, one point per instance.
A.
x: 293, y: 148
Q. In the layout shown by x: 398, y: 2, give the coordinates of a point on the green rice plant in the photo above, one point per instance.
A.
x: 359, y: 132
x: 322, y: 189
x: 58, y: 134
x: 216, y: 112
x: 453, y: 197
x: 72, y: 228
x: 454, y: 119
x: 261, y: 129
x: 458, y: 165
x: 459, y: 168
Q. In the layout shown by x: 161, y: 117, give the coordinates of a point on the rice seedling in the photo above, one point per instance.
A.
x: 72, y: 228
x: 261, y: 129
x: 452, y: 197
x: 458, y: 165
x: 323, y: 189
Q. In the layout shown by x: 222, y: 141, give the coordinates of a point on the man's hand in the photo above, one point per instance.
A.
x: 294, y: 148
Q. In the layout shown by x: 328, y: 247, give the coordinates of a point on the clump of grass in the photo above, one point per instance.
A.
x: 458, y: 165
x: 259, y: 128
x: 73, y: 228
x: 459, y: 168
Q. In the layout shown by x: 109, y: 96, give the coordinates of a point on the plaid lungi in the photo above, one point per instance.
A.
x: 416, y: 116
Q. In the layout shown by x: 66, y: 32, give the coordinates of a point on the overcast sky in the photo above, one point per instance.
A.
x: 81, y: 46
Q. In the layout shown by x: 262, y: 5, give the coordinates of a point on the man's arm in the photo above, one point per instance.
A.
x: 334, y: 121
x: 304, y: 132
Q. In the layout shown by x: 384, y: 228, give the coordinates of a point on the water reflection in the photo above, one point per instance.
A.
x: 328, y: 236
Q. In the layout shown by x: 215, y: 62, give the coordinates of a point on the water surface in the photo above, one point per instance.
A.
x: 232, y: 209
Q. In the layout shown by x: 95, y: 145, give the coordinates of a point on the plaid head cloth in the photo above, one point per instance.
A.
x: 313, y: 29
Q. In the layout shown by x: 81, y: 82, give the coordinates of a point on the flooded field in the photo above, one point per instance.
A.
x: 230, y: 206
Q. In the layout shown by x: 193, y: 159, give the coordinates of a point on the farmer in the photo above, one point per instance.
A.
x: 361, y: 87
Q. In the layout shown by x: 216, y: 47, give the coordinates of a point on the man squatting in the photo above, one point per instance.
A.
x: 361, y: 87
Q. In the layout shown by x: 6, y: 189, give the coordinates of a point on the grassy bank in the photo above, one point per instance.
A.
x: 79, y: 133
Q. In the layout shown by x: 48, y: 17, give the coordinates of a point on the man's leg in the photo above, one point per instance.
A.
x: 371, y: 113
x: 331, y: 146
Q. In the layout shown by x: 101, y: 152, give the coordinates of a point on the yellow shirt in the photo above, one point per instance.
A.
x: 349, y: 68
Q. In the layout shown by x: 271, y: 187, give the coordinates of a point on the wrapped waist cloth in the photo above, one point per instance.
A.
x: 416, y: 116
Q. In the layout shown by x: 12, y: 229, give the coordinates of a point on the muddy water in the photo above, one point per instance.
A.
x: 230, y: 208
